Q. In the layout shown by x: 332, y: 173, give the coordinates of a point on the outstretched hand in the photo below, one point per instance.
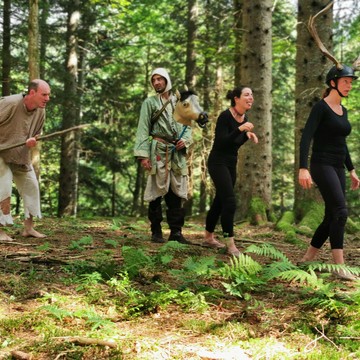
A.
x: 252, y: 136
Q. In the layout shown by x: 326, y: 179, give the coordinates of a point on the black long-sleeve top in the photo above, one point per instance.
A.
x: 227, y: 141
x: 328, y: 131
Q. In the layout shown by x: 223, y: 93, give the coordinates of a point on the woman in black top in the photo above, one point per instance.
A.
x: 232, y: 130
x: 328, y: 127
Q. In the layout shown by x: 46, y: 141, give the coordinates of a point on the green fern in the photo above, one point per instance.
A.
x: 302, y: 277
x: 244, y: 273
x: 135, y: 260
x: 268, y: 251
x: 275, y: 269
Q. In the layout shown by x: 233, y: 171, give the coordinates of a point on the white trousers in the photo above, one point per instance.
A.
x: 28, y: 187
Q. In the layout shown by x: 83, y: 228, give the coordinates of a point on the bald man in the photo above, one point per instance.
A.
x: 22, y: 118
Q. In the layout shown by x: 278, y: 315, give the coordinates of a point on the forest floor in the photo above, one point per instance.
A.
x: 52, y: 304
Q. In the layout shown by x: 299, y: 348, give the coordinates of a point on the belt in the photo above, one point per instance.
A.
x: 163, y: 141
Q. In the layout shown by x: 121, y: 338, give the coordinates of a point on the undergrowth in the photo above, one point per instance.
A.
x: 241, y: 301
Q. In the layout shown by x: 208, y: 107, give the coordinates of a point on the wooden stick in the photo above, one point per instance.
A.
x: 87, y: 341
x: 48, y: 136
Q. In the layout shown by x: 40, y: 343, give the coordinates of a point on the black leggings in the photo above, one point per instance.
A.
x: 331, y: 183
x: 224, y: 204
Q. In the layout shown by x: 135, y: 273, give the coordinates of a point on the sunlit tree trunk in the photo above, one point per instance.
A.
x: 311, y: 69
x: 255, y: 161
x: 69, y: 146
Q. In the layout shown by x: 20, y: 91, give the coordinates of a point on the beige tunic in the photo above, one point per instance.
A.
x: 17, y: 125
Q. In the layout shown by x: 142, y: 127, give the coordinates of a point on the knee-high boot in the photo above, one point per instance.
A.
x: 155, y: 217
x: 176, y: 220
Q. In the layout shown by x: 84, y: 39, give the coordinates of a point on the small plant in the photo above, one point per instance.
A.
x: 195, y: 269
x: 44, y: 247
x: 81, y: 243
x: 135, y: 260
x: 111, y: 242
x: 243, y: 272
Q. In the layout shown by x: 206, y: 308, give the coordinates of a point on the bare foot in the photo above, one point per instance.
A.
x: 212, y: 243
x: 33, y: 233
x: 233, y: 250
x: 3, y: 236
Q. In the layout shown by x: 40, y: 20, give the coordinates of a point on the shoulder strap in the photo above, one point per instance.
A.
x: 157, y: 113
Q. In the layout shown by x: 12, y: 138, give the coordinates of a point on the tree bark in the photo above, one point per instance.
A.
x: 311, y: 69
x: 68, y: 187
x: 6, y: 54
x: 255, y: 160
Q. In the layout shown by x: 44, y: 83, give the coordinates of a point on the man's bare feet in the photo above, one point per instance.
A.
x: 5, y: 237
x: 33, y: 233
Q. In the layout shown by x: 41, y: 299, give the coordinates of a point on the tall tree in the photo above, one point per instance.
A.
x: 311, y: 69
x: 237, y: 35
x: 190, y: 81
x: 255, y: 161
x: 68, y: 189
x: 34, y: 64
x: 5, y: 52
x: 34, y: 67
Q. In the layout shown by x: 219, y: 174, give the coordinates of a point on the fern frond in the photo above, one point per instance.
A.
x: 302, y: 277
x: 318, y: 266
x: 268, y: 251
x: 274, y: 269
x: 172, y: 246
x: 200, y: 266
x: 243, y: 264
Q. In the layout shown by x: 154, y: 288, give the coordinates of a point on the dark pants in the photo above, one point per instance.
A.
x: 331, y: 183
x: 224, y: 204
x: 172, y: 201
x: 175, y: 214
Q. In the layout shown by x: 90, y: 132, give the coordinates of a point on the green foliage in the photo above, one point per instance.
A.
x: 44, y: 247
x: 135, y: 260
x: 257, y: 211
x: 243, y: 272
x: 134, y: 303
x: 287, y: 225
x: 194, y: 269
x: 314, y: 213
x: 81, y: 243
x: 111, y: 242
x: 352, y: 227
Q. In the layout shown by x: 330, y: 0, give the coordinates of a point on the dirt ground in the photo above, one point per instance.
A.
x: 48, y: 256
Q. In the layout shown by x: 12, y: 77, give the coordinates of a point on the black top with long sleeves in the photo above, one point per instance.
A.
x: 227, y: 141
x: 328, y: 131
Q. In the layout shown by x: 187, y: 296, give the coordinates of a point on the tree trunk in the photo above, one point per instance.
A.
x: 237, y: 32
x: 69, y: 147
x: 255, y: 161
x: 311, y: 69
x: 6, y: 54
x: 190, y: 81
x: 34, y: 68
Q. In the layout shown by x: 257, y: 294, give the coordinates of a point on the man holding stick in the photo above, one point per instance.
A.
x: 22, y: 118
